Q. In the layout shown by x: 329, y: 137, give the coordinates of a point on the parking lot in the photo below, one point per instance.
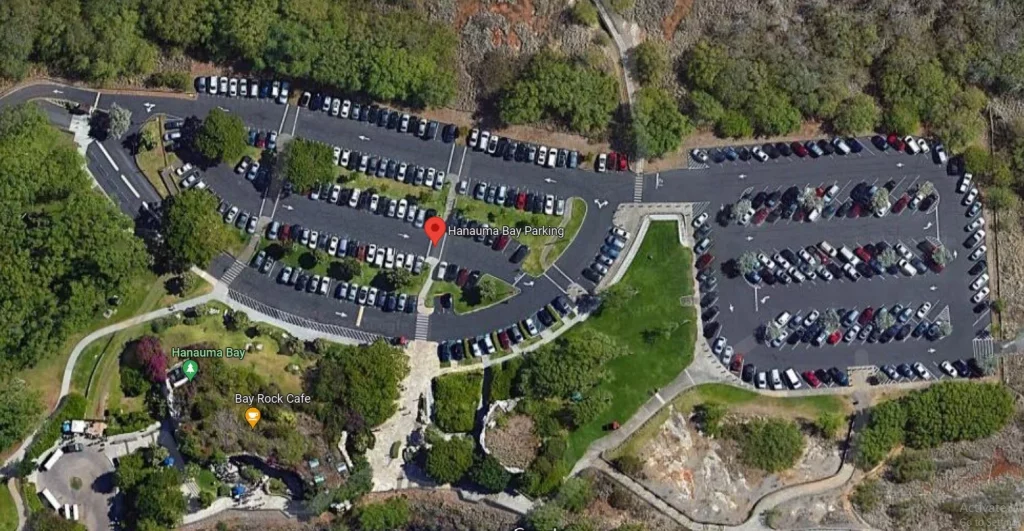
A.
x: 743, y: 307
x: 95, y: 495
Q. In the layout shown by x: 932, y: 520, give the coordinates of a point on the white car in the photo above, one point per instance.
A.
x: 335, y: 193
x: 378, y: 260
x: 947, y: 368
x: 776, y: 380
x: 903, y: 251
x: 699, y: 220
x: 304, y: 238
x: 759, y: 154
x: 912, y: 145
x: 335, y: 108
x: 223, y: 85
x: 346, y: 107
x: 403, y: 124
x: 745, y: 218
x: 975, y: 225
x: 187, y: 167
x: 718, y: 347
x: 549, y: 205
x: 337, y: 155
x: 332, y: 246
x: 970, y: 197
x: 811, y: 318
x: 474, y: 138
x: 965, y: 183
x: 828, y: 249
x: 440, y: 270
x: 762, y: 380
x: 314, y: 236
x: 621, y: 233
x: 353, y: 200
x: 346, y: 155
x: 727, y: 355
x: 783, y: 318
x: 187, y: 182
x: 976, y: 238
x: 314, y: 194
x: 941, y: 153
x: 979, y: 282
x: 400, y: 174
x: 923, y: 145
x: 439, y: 180
x: 851, y: 334
x: 922, y: 371
x: 978, y: 253
x: 429, y: 181
x: 403, y: 206
x: 485, y: 137
x: 602, y: 162
x: 542, y: 155
x: 233, y: 87
x: 530, y: 327
x: 980, y: 295
x: 371, y: 297
x: 374, y: 203
x: 766, y: 262
x: 923, y: 310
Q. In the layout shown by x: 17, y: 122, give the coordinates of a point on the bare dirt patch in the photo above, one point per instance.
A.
x: 977, y: 485
x: 681, y: 9
x: 828, y: 509
x: 445, y: 510
x: 615, y: 505
x: 1006, y: 247
x: 513, y: 442
x: 704, y: 478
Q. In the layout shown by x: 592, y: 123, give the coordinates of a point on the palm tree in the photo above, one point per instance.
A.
x: 926, y: 188
x: 888, y: 258
x: 940, y: 256
x: 830, y: 320
x: 880, y: 201
x: 748, y: 263
x: 884, y: 320
x: 772, y: 331
x: 810, y: 199
x: 741, y: 207
x: 945, y: 328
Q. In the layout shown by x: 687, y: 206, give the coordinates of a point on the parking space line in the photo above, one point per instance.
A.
x: 295, y: 121
x: 359, y: 316
x: 465, y: 149
x: 283, y: 118
x: 555, y: 283
x: 450, y: 157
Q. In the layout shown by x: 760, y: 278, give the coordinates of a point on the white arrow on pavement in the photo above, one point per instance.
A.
x: 549, y: 180
x: 730, y: 308
x: 932, y: 288
x: 765, y: 299
x: 528, y: 284
x: 404, y: 236
x: 928, y: 226
x: 55, y: 91
x: 363, y: 138
x: 149, y: 106
x: 743, y: 176
x: 287, y: 207
x: 931, y: 351
x: 750, y: 238
x: 600, y: 204
x: 341, y: 314
x: 899, y: 164
x: 223, y: 109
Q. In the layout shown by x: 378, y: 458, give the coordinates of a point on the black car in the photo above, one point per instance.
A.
x: 382, y: 117
x: 978, y: 267
x: 975, y: 367
x: 845, y: 209
x: 545, y: 317
x: 560, y: 159
x: 390, y: 303
x: 371, y: 114
x: 393, y: 120
x: 826, y: 146
x: 364, y: 114
x: 920, y: 329
x: 855, y: 145
x: 749, y: 370
x: 502, y: 144
x: 875, y: 335
x: 759, y: 200
x: 903, y: 332
x: 823, y: 376
x: 510, y: 151
x: 520, y: 154
x: 770, y: 150
x: 773, y: 199
x: 520, y: 254
x: 784, y: 149
x: 431, y: 130
x: 880, y: 142
x: 839, y: 376
x: 538, y: 204
x: 905, y: 370
x: 744, y: 154
x: 300, y: 284
x: 961, y: 368
x: 448, y: 133
x: 710, y: 314
x: 717, y: 156
x: 711, y: 329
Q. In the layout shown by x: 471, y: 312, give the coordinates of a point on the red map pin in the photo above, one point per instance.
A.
x: 435, y: 228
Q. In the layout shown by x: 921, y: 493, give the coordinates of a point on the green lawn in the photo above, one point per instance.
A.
x: 151, y: 162
x: 424, y: 197
x: 470, y: 300
x: 538, y: 262
x: 456, y: 397
x: 207, y: 481
x: 659, y: 283
x: 30, y: 497
x: 806, y: 407
x: 499, y: 216
x: 320, y: 263
x: 8, y: 512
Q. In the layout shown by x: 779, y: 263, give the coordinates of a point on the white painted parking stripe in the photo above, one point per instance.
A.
x: 295, y: 121
x: 129, y: 185
x: 450, y: 157
x: 555, y: 283
x: 283, y: 118
x: 106, y: 154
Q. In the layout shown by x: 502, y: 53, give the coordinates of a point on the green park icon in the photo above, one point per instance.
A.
x: 190, y: 368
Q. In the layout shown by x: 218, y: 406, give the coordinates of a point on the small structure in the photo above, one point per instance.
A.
x: 501, y: 407
x: 238, y: 491
x: 92, y: 429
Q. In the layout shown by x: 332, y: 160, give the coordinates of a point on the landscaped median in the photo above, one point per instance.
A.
x: 544, y: 249
x: 150, y: 161
x: 347, y: 269
x: 488, y: 291
x: 421, y: 196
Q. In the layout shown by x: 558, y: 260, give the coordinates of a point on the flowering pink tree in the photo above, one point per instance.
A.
x: 152, y: 357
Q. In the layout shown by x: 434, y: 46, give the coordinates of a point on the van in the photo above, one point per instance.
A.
x: 791, y: 379
x: 848, y: 256
x: 907, y: 268
x: 814, y: 215
x: 775, y: 380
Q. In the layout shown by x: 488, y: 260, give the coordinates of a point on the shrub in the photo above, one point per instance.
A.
x: 133, y: 383
x: 390, y: 514
x: 910, y: 466
x: 867, y: 495
x: 575, y: 494
x: 488, y: 473
x: 448, y: 461
x: 770, y: 444
x: 630, y: 465
x: 709, y: 417
x: 206, y: 499
x: 396, y: 447
x: 172, y: 80
x: 503, y: 379
x: 828, y: 423
x: 455, y: 401
x: 584, y: 13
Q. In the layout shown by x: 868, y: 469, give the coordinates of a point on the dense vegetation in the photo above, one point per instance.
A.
x: 356, y: 387
x: 455, y: 401
x: 771, y: 444
x: 152, y: 492
x: 66, y: 248
x: 19, y: 410
x: 307, y: 163
x: 51, y: 521
x: 945, y: 412
x: 221, y: 137
x: 562, y: 90
x: 395, y: 54
x: 193, y: 230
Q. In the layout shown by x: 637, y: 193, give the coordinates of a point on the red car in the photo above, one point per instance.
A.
x: 460, y: 281
x: 704, y: 261
x: 901, y: 204
x: 760, y: 216
x: 862, y: 254
x: 854, y: 212
x: 866, y: 316
x: 623, y: 162
x: 286, y: 232
x: 261, y: 139
x: 812, y: 380
x: 736, y: 364
x: 503, y: 340
x: 613, y: 160
x: 799, y: 215
x: 500, y: 243
x: 799, y: 149
x: 835, y: 337
x: 896, y: 142
x: 521, y: 201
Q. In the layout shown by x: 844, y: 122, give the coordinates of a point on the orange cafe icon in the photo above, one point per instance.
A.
x: 252, y: 416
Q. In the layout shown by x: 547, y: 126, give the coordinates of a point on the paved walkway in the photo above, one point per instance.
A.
x: 17, y: 504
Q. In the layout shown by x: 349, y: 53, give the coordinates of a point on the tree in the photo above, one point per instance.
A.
x: 591, y: 407
x: 770, y: 444
x: 880, y: 201
x: 222, y: 137
x: 18, y: 22
x: 830, y: 319
x: 20, y: 408
x: 398, y: 278
x: 709, y: 416
x: 206, y: 498
x: 584, y: 13
x: 346, y: 269
x: 888, y: 258
x: 867, y: 495
x: 149, y: 354
x: 748, y: 263
x: 360, y: 380
x: 237, y: 320
x: 456, y: 397
x: 741, y: 207
x: 67, y: 249
x: 383, y: 516
x: 704, y: 108
x: 51, y: 521
x: 945, y: 328
x: 734, y: 124
x: 575, y: 494
x: 902, y: 119
x: 545, y: 517
x: 828, y: 424
x: 448, y: 461
x: 703, y: 64
x: 810, y: 199
x: 193, y: 230
x: 912, y: 466
x: 884, y: 320
x: 573, y: 363
x: 488, y: 474
x: 306, y: 163
x: 1000, y: 198
x: 120, y: 120
x: 857, y: 114
x: 133, y: 383
x: 651, y: 60
x: 658, y: 125
x: 148, y: 139
x: 926, y: 188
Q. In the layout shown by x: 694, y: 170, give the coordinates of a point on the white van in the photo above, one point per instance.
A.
x: 814, y: 215
x: 906, y: 267
x: 792, y: 379
x: 775, y: 380
x: 848, y: 255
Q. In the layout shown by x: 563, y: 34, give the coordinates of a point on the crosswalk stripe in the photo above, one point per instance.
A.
x: 638, y: 188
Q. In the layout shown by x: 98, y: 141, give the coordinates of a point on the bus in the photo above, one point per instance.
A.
x: 67, y: 511
x: 50, y: 499
x: 52, y: 460
x: 74, y: 512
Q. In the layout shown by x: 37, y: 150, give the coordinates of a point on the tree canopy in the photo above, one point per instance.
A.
x: 221, y: 137
x: 66, y: 248
x: 307, y: 164
x: 152, y: 492
x: 358, y: 379
x: 658, y: 125
x: 572, y: 363
x: 562, y: 90
x: 20, y: 408
x: 193, y: 230
x: 455, y: 401
x: 449, y: 460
